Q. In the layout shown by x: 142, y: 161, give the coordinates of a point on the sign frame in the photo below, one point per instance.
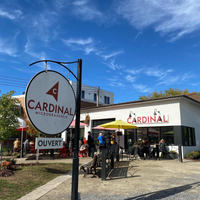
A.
x: 49, y: 141
x: 26, y: 104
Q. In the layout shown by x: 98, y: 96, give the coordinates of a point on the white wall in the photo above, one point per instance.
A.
x: 190, y: 116
x: 89, y: 93
x: 170, y: 107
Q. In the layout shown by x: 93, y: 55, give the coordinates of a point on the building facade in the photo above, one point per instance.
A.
x: 175, y: 119
x: 93, y: 94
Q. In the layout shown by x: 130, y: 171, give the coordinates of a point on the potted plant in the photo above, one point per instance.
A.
x: 172, y: 154
x: 137, y: 143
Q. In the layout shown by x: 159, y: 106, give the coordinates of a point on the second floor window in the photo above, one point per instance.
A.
x: 106, y: 100
x: 95, y: 97
x: 83, y: 94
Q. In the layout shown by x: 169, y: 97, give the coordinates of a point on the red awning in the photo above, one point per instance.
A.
x: 73, y: 124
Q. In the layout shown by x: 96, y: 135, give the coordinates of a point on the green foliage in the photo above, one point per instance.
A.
x: 193, y: 155
x: 31, y: 130
x: 167, y: 93
x: 172, y: 151
x: 13, y: 161
x: 9, y: 111
x: 138, y: 142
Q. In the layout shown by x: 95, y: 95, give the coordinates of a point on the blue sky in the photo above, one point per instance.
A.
x: 129, y: 47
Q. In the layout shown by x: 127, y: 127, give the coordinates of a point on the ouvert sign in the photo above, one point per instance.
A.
x: 50, y: 102
x: 49, y: 143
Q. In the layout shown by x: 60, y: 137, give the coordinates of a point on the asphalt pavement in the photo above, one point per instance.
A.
x: 130, y: 179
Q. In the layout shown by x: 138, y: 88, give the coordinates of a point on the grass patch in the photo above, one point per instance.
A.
x: 28, y: 178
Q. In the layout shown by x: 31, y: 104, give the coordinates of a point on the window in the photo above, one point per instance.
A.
x: 106, y: 100
x: 141, y: 134
x: 154, y: 135
x: 189, y: 136
x: 95, y: 97
x: 83, y: 94
x: 167, y: 133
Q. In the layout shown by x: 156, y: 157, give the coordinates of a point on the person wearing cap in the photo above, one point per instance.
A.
x: 144, y: 148
x: 101, y: 141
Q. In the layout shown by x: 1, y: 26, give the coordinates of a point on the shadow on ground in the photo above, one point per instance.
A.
x: 165, y: 193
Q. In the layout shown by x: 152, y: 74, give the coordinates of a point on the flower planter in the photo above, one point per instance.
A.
x: 173, y: 155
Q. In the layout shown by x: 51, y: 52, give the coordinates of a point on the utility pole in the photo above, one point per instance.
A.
x: 97, y: 95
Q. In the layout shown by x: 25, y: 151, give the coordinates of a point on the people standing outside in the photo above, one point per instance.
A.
x: 112, y: 139
x: 101, y: 141
x: 144, y: 148
x: 90, y: 142
x: 26, y: 146
x: 17, y: 144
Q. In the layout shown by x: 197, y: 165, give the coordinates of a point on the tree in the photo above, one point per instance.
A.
x: 167, y: 93
x: 31, y: 130
x: 9, y: 111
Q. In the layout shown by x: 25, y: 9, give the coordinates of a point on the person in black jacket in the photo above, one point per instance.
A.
x: 90, y: 143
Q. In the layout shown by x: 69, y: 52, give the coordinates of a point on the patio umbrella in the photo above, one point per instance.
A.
x: 101, y: 128
x: 72, y: 125
x: 118, y: 124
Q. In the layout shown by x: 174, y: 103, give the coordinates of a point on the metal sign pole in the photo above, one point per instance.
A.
x: 75, y: 172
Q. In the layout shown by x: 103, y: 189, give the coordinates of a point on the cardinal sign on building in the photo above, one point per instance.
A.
x: 50, y: 102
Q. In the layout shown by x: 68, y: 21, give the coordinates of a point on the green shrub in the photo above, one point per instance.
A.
x: 172, y: 151
x: 138, y: 142
x: 17, y: 155
x: 13, y: 161
x: 7, y: 153
x: 193, y: 155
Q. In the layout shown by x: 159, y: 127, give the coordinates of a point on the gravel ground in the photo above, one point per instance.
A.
x: 149, y: 179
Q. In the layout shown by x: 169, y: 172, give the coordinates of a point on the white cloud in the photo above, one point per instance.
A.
x: 7, y: 47
x: 141, y: 88
x: 29, y: 50
x: 163, y: 76
x: 113, y: 65
x: 134, y: 71
x: 86, y: 45
x: 130, y: 78
x: 73, y: 41
x: 113, y: 54
x: 85, y: 10
x: 140, y: 33
x: 10, y: 14
x: 177, y: 79
x: 115, y: 82
x: 167, y: 16
x: 160, y: 73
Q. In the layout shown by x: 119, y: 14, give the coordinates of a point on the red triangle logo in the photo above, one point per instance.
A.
x: 54, y: 91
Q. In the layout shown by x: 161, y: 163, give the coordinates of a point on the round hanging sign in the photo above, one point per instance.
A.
x: 50, y: 102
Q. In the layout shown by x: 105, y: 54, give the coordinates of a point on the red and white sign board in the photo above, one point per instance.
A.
x: 50, y: 102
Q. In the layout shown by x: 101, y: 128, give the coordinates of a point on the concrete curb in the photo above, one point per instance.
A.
x: 44, y: 189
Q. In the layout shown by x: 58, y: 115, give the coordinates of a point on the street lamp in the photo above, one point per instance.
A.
x: 75, y: 171
x: 131, y: 116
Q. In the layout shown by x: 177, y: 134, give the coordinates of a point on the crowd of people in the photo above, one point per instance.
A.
x: 102, y: 142
x: 145, y: 149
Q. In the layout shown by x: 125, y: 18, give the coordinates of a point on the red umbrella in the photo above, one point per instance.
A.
x: 21, y: 129
x: 73, y: 124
